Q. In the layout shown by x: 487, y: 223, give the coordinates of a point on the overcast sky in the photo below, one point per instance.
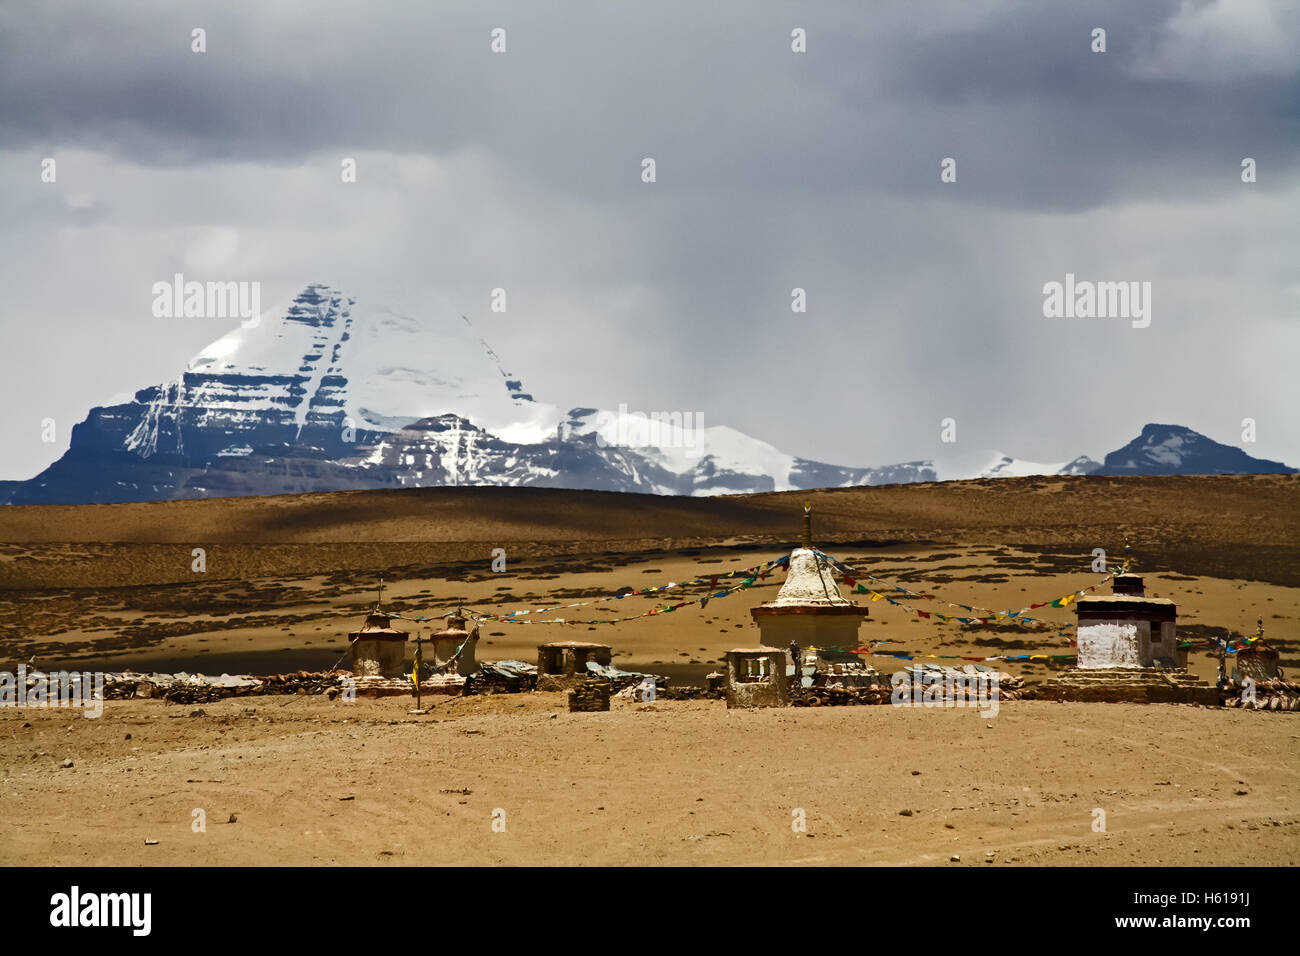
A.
x: 775, y: 170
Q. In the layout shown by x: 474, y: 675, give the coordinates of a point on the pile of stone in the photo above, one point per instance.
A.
x: 590, y: 695
x: 850, y: 674
x: 180, y: 688
x: 836, y: 696
x: 840, y: 684
x: 686, y: 692
x: 303, y: 682
x: 664, y: 692
x: 933, y: 683
x: 621, y: 679
x: 1272, y: 694
x: 1133, y: 685
x: 502, y: 677
x: 186, y: 688
x: 185, y: 692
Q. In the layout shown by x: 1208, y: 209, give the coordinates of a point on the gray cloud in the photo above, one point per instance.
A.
x: 775, y: 170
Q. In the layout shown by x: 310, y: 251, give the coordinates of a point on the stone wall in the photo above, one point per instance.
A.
x: 590, y: 695
x: 1129, y: 685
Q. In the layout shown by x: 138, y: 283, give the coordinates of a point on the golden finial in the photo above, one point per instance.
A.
x: 807, y: 525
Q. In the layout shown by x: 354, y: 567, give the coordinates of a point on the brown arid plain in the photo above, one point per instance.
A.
x: 306, y: 780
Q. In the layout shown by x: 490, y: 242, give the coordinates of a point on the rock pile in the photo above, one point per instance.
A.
x: 850, y: 674
x: 694, y: 693
x: 179, y: 688
x: 201, y: 689
x: 836, y: 696
x: 622, y: 680
x: 935, y: 683
x: 302, y: 682
x: 591, y: 695
x: 1272, y: 694
x: 502, y: 677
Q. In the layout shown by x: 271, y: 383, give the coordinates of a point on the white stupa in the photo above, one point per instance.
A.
x: 809, y: 609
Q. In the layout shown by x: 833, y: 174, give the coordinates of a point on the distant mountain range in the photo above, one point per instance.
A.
x: 331, y: 397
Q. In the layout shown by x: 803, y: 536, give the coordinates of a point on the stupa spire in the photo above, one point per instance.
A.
x: 809, y: 610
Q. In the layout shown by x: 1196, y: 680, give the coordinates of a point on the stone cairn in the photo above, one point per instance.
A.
x: 591, y: 694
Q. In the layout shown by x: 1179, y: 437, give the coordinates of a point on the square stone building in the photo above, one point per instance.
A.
x: 563, y: 664
x: 756, y: 677
x: 1128, y: 629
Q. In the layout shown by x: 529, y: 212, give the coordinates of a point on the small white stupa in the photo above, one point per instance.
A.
x: 809, y: 609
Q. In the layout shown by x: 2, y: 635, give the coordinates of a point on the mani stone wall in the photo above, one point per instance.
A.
x: 589, y: 696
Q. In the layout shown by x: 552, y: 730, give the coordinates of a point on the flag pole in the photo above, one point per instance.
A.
x: 415, y: 669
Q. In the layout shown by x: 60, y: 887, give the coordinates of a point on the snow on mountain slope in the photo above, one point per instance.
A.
x: 400, y: 367
x: 993, y: 464
x: 1004, y: 466
x: 984, y: 463
x: 681, y: 443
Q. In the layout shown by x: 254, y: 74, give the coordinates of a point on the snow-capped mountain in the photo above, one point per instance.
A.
x: 1175, y: 450
x: 333, y: 396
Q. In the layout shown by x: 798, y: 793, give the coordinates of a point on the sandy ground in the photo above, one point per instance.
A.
x: 314, y: 782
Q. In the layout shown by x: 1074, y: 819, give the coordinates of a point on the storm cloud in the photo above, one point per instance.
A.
x: 775, y: 170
